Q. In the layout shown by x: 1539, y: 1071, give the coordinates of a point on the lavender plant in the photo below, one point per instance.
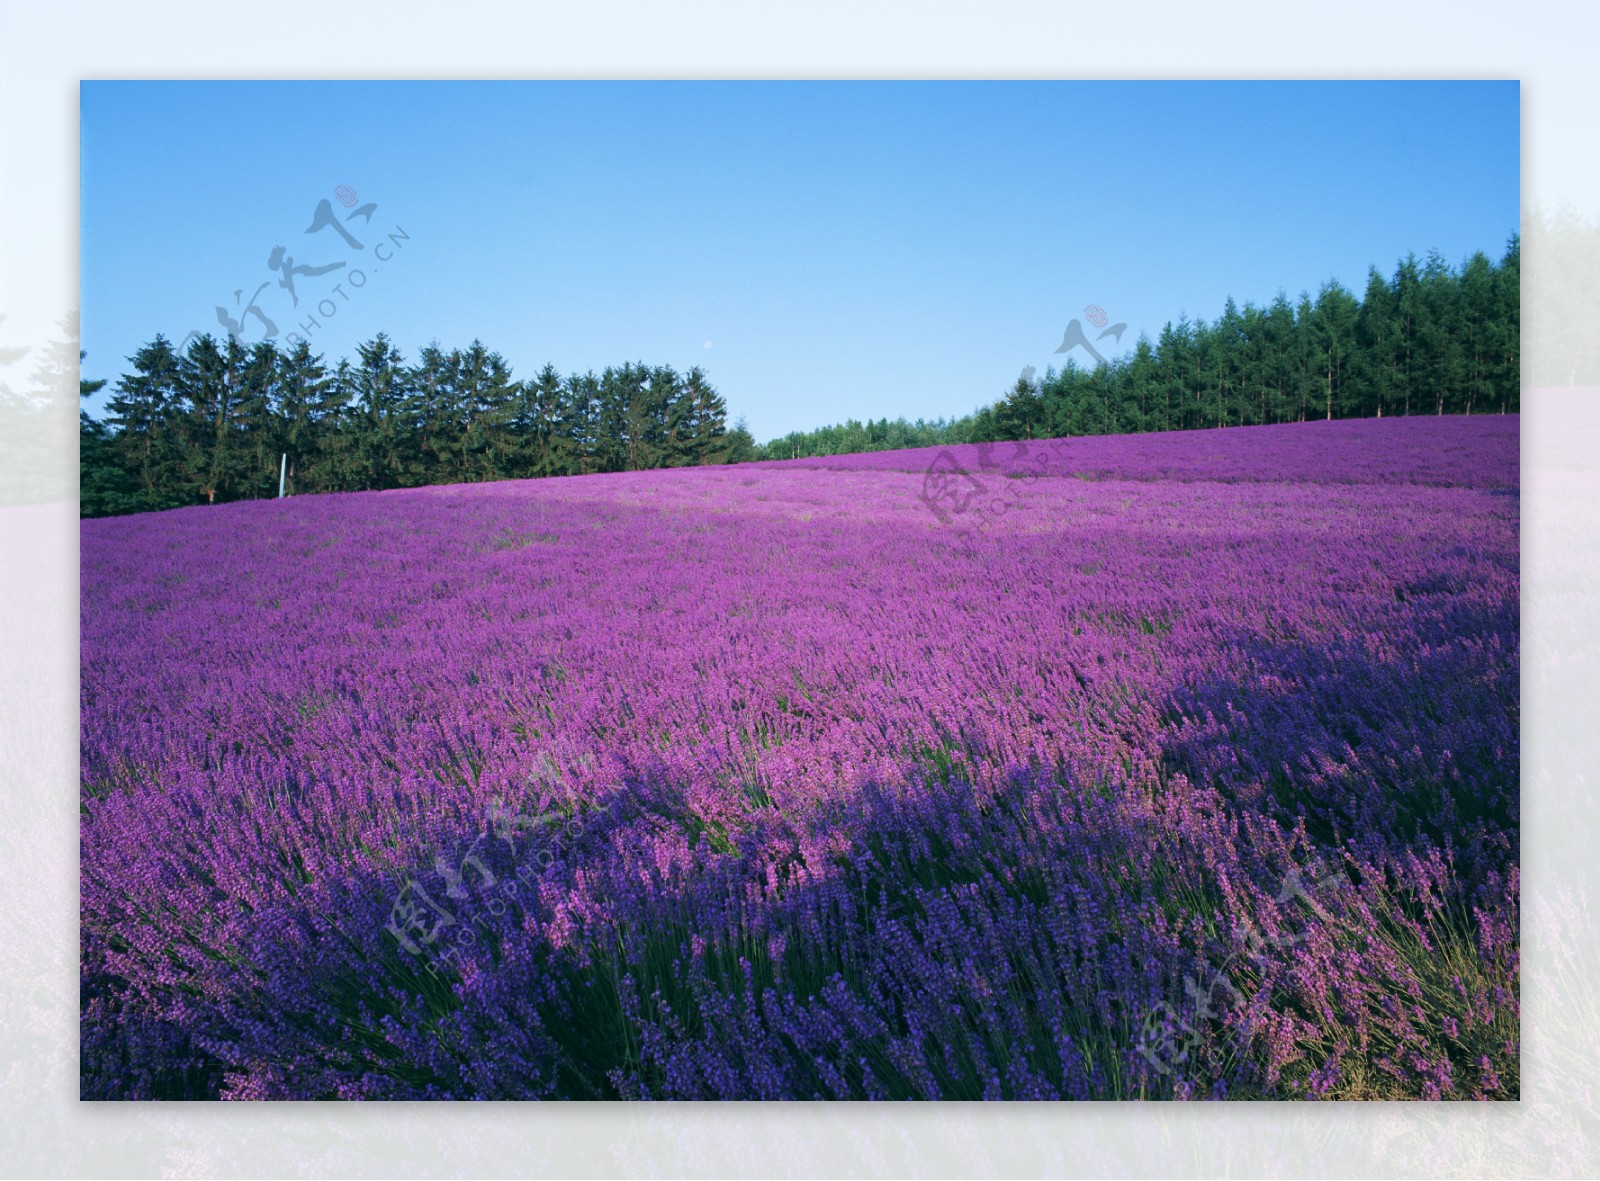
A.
x: 1192, y: 775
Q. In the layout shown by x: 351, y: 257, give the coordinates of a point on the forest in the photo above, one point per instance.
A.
x: 223, y: 421
x: 1428, y: 339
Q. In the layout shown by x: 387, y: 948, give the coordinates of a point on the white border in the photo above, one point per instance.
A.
x: 44, y: 52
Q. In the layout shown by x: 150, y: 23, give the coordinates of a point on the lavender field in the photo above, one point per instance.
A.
x: 1179, y: 765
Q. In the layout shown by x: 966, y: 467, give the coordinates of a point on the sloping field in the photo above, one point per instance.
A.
x: 1146, y: 766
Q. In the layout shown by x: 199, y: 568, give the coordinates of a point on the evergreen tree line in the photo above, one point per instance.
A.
x: 1428, y: 339
x: 214, y: 422
x: 882, y: 434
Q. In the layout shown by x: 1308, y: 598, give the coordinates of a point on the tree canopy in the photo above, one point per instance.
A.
x: 1426, y: 339
x: 215, y: 423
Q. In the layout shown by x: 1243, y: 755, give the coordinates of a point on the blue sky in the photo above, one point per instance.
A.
x: 823, y: 249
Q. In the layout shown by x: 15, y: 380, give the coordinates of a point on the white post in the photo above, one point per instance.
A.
x: 283, y: 468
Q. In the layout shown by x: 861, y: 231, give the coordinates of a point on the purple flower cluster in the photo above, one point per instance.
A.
x: 1193, y: 774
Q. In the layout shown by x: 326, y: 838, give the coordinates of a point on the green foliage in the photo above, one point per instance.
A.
x: 1427, y: 340
x: 215, y: 423
x: 853, y: 437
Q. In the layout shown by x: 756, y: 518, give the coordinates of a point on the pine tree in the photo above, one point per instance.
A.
x: 487, y: 403
x: 382, y: 437
x: 1333, y: 322
x: 434, y: 417
x: 1280, y: 364
x: 1376, y: 336
x: 140, y: 414
x: 1440, y: 332
x: 308, y: 405
x: 709, y: 442
x: 255, y: 432
x: 105, y: 486
x: 1408, y: 301
x: 1477, y: 303
x: 1508, y: 328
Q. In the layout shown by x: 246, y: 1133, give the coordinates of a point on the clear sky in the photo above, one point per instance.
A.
x: 823, y: 249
